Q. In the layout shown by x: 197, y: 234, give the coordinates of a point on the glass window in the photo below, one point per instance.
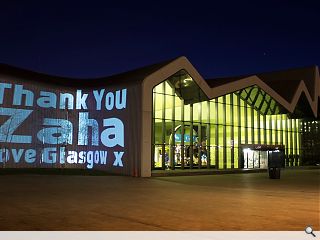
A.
x: 229, y: 140
x: 158, y: 88
x: 236, y: 158
x: 178, y: 136
x: 221, y: 134
x: 196, y: 112
x: 228, y: 156
x: 243, y: 94
x: 212, y: 155
x: 188, y: 134
x: 158, y: 131
x: 221, y: 113
x: 250, y: 133
x: 273, y: 127
x: 205, y: 112
x: 264, y: 107
x: 289, y: 134
x: 262, y: 132
x: 178, y: 108
x: 249, y: 125
x: 272, y: 105
x: 235, y: 136
x: 259, y: 100
x: 158, y: 105
x: 220, y: 99
x: 168, y: 131
x: 187, y: 112
x: 268, y: 98
x: 242, y: 113
x: 167, y: 156
x: 213, y: 135
x: 212, y: 112
x: 168, y: 89
x: 255, y: 119
x: 235, y: 116
x: 158, y: 156
x: 268, y: 122
x: 228, y: 110
x: 217, y: 116
x: 169, y: 106
x: 253, y: 95
x: 221, y: 157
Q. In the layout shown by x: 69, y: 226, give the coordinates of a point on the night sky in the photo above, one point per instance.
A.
x: 96, y: 39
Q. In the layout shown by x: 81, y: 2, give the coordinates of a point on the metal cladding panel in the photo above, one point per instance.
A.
x: 45, y: 125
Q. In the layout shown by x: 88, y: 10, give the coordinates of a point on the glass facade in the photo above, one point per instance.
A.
x: 310, y: 141
x: 191, y: 131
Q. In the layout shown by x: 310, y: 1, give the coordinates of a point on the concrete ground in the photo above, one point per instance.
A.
x: 216, y: 202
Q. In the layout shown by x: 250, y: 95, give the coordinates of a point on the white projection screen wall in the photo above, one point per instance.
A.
x: 48, y: 122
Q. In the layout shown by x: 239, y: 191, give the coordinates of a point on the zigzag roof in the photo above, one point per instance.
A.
x: 289, y: 88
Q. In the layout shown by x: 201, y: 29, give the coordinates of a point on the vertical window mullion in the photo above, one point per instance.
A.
x: 232, y: 130
x: 199, y: 136
x: 294, y: 143
x: 208, y: 135
x: 240, y: 155
x: 217, y: 134
x: 173, y: 144
x: 191, y: 136
x: 163, y: 127
x: 276, y: 129
x: 182, y: 134
x: 258, y: 129
x: 245, y: 123
x: 264, y: 129
x: 224, y: 133
x: 281, y: 129
x: 270, y: 130
x: 252, y: 125
x: 287, y: 141
x: 153, y: 131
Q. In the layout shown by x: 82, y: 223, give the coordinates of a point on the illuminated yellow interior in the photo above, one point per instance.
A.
x: 220, y: 126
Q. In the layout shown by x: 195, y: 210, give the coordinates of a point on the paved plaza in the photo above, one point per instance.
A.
x: 211, y: 202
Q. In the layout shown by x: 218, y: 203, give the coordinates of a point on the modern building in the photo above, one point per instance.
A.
x: 163, y: 116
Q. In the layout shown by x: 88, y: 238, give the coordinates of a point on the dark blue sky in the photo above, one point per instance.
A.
x: 96, y: 39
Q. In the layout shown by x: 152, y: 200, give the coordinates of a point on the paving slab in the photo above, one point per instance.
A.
x: 209, y: 202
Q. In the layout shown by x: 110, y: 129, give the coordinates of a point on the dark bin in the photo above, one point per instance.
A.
x: 274, y: 173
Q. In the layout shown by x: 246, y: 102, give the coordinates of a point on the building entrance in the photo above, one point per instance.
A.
x: 189, y: 146
x: 255, y: 158
x: 258, y: 156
